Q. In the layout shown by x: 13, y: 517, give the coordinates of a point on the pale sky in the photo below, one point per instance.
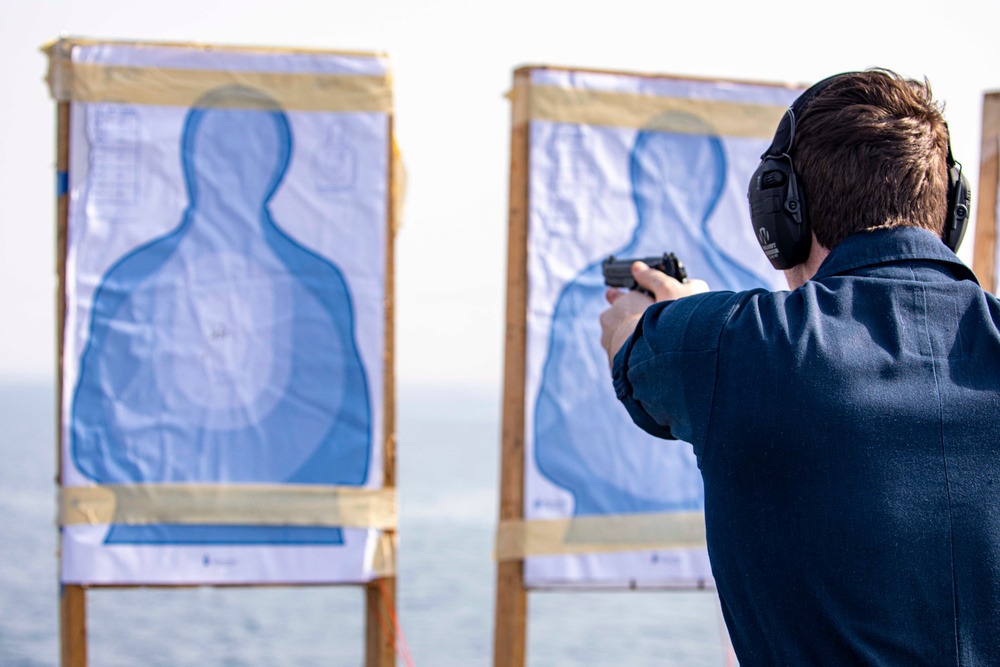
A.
x: 452, y: 64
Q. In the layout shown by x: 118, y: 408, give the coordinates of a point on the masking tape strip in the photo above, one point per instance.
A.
x: 384, y: 559
x: 84, y: 82
x: 65, y: 44
x: 518, y: 539
x: 652, y: 112
x: 59, y: 69
x: 240, y: 504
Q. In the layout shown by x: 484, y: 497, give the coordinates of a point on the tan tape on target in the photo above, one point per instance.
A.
x: 653, y: 112
x: 596, y: 534
x: 218, y: 504
x: 184, y: 87
x: 384, y: 560
x: 87, y: 82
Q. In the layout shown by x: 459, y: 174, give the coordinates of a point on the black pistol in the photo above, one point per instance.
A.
x: 618, y: 272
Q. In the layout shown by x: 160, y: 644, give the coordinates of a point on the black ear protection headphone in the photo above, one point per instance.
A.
x: 777, y: 203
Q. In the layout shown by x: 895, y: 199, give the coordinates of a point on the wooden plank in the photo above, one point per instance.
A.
x: 73, y: 625
x: 379, y: 627
x: 72, y: 597
x: 62, y: 220
x: 984, y: 258
x: 380, y: 594
x: 511, y: 621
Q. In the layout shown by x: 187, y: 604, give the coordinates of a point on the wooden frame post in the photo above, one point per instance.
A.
x: 72, y: 597
x: 73, y: 625
x: 984, y: 259
x: 380, y: 593
x: 511, y: 613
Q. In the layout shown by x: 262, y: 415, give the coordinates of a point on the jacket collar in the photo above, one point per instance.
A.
x: 884, y: 246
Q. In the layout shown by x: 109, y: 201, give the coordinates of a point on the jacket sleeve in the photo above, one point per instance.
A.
x: 665, y: 372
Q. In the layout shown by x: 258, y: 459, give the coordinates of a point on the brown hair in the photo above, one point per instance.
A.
x: 871, y: 152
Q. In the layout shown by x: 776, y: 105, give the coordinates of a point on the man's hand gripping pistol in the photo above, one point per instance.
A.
x: 618, y: 272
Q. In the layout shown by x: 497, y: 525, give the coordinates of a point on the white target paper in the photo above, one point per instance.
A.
x: 600, y: 190
x: 224, y: 315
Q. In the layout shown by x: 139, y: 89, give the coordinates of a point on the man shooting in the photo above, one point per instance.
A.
x: 845, y: 430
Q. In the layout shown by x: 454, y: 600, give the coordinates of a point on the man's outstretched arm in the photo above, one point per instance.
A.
x: 619, y: 321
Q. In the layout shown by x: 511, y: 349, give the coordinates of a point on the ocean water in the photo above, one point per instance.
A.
x: 448, y: 456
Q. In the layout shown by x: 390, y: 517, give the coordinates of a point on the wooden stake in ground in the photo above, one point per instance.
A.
x: 380, y: 594
x: 510, y: 632
x: 72, y: 597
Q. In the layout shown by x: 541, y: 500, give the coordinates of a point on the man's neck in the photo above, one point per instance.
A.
x: 799, y: 275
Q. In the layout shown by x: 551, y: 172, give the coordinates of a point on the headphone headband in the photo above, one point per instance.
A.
x: 784, y: 136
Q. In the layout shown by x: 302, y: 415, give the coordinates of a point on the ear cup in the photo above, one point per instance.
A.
x: 777, y: 203
x: 959, y: 205
x: 778, y: 212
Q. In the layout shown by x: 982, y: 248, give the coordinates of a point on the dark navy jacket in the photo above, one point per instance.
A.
x: 847, y: 434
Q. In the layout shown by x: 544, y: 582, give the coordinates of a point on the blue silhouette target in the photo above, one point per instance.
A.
x: 585, y: 441
x: 223, y: 351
